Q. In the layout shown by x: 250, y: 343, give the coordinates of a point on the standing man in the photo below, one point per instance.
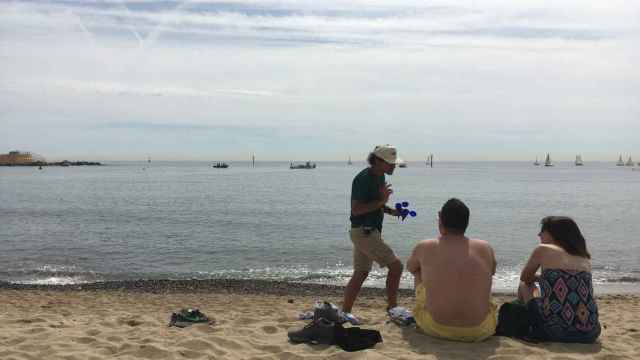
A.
x: 369, y: 195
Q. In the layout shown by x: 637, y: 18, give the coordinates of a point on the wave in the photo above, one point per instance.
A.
x: 49, y: 276
x: 65, y: 275
x: 623, y: 279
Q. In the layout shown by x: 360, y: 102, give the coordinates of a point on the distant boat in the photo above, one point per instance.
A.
x: 149, y: 160
x: 547, y: 161
x: 349, y: 161
x: 430, y: 160
x: 536, y: 163
x: 220, y: 165
x: 629, y: 162
x: 579, y: 160
x: 307, y: 165
x: 620, y: 162
x: 401, y: 163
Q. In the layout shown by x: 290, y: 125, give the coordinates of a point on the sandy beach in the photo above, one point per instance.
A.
x: 129, y: 321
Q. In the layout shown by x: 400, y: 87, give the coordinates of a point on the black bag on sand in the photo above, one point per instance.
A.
x: 322, y: 331
x: 513, y: 320
x: 355, y: 339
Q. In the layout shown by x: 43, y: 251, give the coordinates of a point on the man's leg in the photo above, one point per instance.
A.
x: 353, y: 289
x: 393, y: 282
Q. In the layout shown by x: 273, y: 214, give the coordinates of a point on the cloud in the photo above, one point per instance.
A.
x: 302, y: 76
x: 296, y: 22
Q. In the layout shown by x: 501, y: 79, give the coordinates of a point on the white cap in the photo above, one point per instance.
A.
x: 387, y: 153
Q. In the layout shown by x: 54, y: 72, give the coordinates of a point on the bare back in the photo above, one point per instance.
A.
x: 457, y: 273
x: 555, y: 257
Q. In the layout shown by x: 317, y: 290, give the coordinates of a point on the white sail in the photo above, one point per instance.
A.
x: 579, y: 160
x: 629, y: 162
x: 547, y: 161
x: 536, y: 163
x: 620, y: 162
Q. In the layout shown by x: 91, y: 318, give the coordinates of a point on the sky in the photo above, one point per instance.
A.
x: 320, y: 80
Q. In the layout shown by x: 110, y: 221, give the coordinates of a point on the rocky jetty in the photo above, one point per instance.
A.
x: 57, y: 163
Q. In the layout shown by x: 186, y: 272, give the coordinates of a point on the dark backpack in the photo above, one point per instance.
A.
x: 355, y: 338
x: 513, y: 320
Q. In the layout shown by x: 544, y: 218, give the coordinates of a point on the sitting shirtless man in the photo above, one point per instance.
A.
x: 453, y: 277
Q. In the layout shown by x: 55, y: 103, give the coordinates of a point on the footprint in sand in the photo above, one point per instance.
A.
x: 84, y: 340
x: 270, y: 329
x: 246, y: 321
x: 36, y: 330
x: 93, y: 332
x: 31, y: 321
x: 197, y: 345
x: 130, y: 322
x: 152, y: 352
x: 16, y: 341
x: 189, y: 354
x: 115, y: 339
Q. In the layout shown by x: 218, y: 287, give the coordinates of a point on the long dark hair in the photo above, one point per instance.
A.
x: 566, y: 234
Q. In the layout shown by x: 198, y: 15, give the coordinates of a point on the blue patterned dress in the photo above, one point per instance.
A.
x: 566, y: 310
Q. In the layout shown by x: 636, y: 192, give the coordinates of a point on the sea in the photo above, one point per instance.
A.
x: 187, y: 220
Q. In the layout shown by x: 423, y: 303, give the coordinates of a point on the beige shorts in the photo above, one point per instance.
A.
x: 368, y: 248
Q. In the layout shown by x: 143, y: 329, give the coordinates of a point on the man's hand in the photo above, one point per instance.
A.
x: 385, y: 192
x: 392, y: 212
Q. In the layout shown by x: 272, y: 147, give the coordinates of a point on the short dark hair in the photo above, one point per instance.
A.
x: 454, y: 216
x: 566, y: 234
x: 372, y: 159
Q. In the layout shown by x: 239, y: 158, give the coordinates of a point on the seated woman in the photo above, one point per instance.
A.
x: 566, y: 310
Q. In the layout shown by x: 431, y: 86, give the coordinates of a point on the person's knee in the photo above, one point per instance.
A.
x: 396, y: 267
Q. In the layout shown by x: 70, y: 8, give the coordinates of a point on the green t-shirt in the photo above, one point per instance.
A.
x: 366, y: 188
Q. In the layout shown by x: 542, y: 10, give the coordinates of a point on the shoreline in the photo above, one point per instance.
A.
x: 254, y: 287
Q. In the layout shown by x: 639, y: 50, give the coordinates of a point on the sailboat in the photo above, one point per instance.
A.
x: 579, y: 160
x: 629, y: 162
x: 349, y: 161
x: 547, y: 161
x: 401, y: 163
x: 620, y: 162
x: 148, y: 162
x: 430, y: 160
x: 536, y: 163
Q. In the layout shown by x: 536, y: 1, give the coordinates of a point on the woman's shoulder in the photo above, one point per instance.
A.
x: 547, y: 249
x: 555, y: 257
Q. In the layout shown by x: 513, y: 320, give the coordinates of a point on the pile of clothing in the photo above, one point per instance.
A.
x: 326, y: 327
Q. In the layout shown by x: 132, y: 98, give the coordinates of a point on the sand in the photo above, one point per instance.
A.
x: 251, y: 322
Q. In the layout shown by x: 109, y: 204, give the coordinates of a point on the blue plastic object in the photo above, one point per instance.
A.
x: 402, y: 207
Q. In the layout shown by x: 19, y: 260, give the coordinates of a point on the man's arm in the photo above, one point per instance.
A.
x: 413, y: 264
x: 359, y: 207
x: 493, y: 260
x: 390, y: 211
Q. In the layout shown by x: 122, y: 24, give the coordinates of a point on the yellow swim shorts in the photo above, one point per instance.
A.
x: 467, y: 334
